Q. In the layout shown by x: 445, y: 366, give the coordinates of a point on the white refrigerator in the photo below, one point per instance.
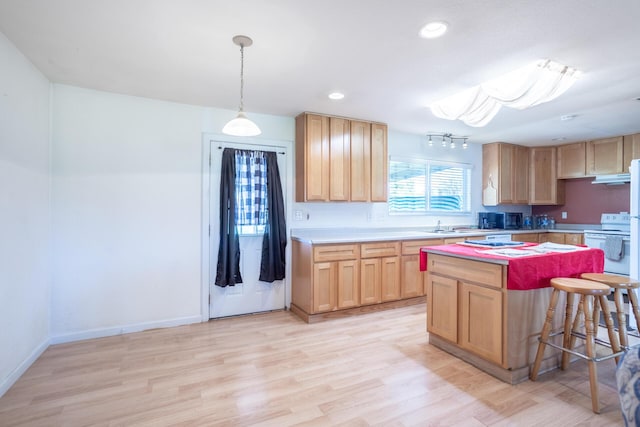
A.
x: 634, y: 210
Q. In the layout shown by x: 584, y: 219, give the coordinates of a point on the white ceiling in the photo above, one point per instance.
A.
x: 181, y: 50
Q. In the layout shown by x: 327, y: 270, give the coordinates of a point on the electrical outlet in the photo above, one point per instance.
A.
x: 298, y: 215
x: 564, y: 215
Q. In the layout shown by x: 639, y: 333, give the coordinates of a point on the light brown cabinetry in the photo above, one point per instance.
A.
x: 572, y: 160
x: 411, y: 278
x: 605, y: 156
x: 380, y: 265
x: 335, y: 277
x: 465, y: 305
x: 379, y: 162
x: 525, y: 237
x: 631, y: 150
x: 339, y: 159
x: 505, y: 174
x: 481, y: 321
x: 562, y: 238
x: 332, y: 277
x: 544, y: 186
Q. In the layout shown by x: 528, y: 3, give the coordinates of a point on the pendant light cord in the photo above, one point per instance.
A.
x: 242, y: 77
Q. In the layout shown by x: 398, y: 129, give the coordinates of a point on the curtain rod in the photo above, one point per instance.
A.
x: 279, y: 152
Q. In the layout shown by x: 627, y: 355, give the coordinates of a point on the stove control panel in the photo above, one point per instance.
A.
x: 616, y: 221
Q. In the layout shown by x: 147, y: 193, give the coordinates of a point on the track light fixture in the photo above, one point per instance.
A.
x: 449, y: 139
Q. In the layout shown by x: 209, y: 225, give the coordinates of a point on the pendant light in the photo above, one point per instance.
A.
x: 241, y: 125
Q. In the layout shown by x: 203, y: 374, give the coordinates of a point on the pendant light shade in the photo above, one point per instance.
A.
x: 241, y: 125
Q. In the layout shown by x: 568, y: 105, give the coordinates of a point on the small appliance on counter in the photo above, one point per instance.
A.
x: 500, y: 220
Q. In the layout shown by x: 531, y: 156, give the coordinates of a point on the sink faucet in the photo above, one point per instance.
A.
x: 438, y: 228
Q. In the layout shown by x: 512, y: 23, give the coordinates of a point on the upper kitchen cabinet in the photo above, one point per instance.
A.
x: 605, y: 156
x: 544, y: 186
x: 505, y: 174
x: 312, y: 158
x: 631, y: 150
x: 339, y: 159
x: 572, y: 160
x: 379, y: 162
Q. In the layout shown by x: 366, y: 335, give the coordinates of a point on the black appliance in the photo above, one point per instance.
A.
x: 500, y: 220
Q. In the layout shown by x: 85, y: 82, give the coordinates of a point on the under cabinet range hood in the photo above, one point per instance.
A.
x: 620, y: 178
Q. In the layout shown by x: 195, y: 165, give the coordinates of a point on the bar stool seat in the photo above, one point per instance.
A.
x: 588, y: 291
x: 618, y: 284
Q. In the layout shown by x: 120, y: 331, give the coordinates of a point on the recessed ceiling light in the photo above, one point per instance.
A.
x: 336, y: 96
x: 562, y: 138
x: 568, y: 117
x: 433, y: 30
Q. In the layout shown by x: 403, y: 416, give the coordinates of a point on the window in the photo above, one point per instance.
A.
x: 251, y: 191
x: 429, y: 186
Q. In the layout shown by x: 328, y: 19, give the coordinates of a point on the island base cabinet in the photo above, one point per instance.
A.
x: 481, y: 321
x: 442, y: 303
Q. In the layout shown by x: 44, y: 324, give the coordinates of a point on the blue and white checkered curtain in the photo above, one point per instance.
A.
x: 251, y: 188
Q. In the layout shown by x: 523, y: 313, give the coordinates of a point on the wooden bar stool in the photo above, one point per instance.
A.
x: 619, y: 283
x: 588, y: 290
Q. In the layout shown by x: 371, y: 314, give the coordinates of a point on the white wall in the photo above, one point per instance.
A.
x: 24, y: 213
x: 127, y: 210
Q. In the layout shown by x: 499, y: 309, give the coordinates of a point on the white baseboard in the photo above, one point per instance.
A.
x: 124, y: 329
x: 22, y: 368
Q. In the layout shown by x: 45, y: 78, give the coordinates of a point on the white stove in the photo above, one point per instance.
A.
x: 612, y: 224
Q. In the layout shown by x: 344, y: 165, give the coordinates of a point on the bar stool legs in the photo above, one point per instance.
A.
x: 618, y: 284
x: 592, y: 295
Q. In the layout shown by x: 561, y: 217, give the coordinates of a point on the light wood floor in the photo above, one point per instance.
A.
x: 274, y: 370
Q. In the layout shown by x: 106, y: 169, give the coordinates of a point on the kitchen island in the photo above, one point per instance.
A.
x: 488, y: 309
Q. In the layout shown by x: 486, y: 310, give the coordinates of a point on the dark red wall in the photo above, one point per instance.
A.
x: 584, y: 202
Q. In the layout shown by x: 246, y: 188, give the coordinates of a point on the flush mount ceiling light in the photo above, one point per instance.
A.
x: 241, y: 125
x: 336, y: 96
x: 433, y: 30
x: 538, y: 82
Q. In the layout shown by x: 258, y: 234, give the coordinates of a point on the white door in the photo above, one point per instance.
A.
x: 251, y: 296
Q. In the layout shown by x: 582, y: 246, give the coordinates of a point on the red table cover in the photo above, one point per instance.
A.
x: 535, y: 271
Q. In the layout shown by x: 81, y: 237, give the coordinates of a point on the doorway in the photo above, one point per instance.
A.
x: 253, y: 295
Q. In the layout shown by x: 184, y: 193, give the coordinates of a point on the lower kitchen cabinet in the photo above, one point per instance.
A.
x: 332, y: 277
x: 411, y: 278
x: 465, y: 305
x: 481, y: 321
x: 562, y: 238
x: 525, y: 237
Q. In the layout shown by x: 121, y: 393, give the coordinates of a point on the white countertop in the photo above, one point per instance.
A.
x: 345, y: 235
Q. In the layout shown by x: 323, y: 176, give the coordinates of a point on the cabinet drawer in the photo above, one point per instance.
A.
x: 382, y: 249
x: 467, y: 270
x: 335, y: 252
x: 412, y: 247
x: 573, y: 238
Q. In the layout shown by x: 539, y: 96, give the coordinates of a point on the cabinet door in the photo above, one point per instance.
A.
x: 544, y: 186
x: 340, y: 159
x: 411, y: 278
x: 520, y: 172
x: 348, y: 284
x: 573, y: 238
x: 506, y: 178
x: 442, y: 307
x: 370, y: 281
x: 324, y: 286
x: 525, y: 237
x: 481, y: 318
x: 390, y: 278
x: 312, y: 158
x: 605, y: 156
x: 572, y: 160
x: 379, y: 162
x: 552, y: 237
x: 360, y: 161
x: 631, y: 150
